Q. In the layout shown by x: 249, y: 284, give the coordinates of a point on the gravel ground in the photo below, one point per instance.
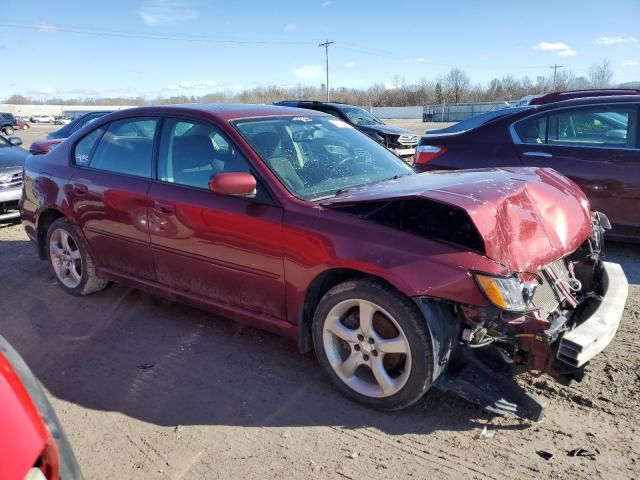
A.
x: 150, y: 389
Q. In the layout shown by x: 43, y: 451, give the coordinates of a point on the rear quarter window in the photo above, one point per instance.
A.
x: 124, y: 146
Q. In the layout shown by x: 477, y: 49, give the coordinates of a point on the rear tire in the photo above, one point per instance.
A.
x: 70, y: 261
x: 374, y: 344
x: 8, y: 130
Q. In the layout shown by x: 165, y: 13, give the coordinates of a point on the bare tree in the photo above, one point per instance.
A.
x: 453, y: 87
x: 600, y: 74
x: 18, y: 100
x: 457, y: 82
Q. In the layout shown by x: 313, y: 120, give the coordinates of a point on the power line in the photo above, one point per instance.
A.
x: 148, y: 36
x: 326, y: 45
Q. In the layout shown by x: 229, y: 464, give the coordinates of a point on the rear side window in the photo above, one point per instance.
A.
x: 532, y: 130
x: 592, y: 127
x: 125, y: 147
x: 584, y: 127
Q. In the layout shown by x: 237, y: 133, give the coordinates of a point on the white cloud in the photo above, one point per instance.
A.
x: 327, y: 3
x: 350, y: 64
x: 46, y: 27
x: 546, y: 46
x: 414, y: 60
x: 567, y: 53
x: 166, y: 12
x: 193, y: 85
x: 308, y: 72
x: 49, y: 93
x: 615, y: 40
x: 390, y: 86
x: 202, y: 85
x: 629, y: 63
x: 290, y: 27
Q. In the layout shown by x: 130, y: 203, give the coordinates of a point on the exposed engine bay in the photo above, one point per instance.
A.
x: 559, y: 296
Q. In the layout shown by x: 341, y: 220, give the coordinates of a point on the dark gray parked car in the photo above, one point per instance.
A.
x: 7, y: 123
x: 12, y: 158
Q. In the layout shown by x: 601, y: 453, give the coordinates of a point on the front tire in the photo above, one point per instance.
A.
x: 69, y: 260
x: 374, y: 344
x: 8, y: 130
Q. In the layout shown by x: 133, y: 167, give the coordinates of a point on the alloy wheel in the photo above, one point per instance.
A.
x: 65, y: 258
x: 367, y: 348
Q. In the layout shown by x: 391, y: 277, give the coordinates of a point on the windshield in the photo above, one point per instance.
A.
x: 359, y: 116
x: 319, y: 157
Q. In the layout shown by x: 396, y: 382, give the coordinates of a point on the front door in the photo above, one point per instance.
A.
x: 108, y: 193
x: 224, y: 250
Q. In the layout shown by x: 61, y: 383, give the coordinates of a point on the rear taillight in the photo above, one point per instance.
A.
x: 426, y: 153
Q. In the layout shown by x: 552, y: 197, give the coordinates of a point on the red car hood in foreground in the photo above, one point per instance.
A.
x: 527, y: 217
x: 30, y: 432
x: 24, y: 435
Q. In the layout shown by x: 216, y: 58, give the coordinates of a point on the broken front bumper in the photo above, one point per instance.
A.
x: 596, y: 330
x: 404, y: 152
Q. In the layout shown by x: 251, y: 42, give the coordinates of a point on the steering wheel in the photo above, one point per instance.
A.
x: 341, y: 163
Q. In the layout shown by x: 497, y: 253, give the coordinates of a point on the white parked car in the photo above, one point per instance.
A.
x: 42, y: 119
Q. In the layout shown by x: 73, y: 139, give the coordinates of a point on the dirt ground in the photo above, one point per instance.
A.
x: 149, y: 389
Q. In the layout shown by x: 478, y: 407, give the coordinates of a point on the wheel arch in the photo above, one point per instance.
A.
x: 45, y: 219
x: 320, y: 285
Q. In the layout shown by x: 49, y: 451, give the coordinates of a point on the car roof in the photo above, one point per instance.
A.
x: 575, y: 94
x: 315, y: 102
x: 584, y: 101
x: 222, y: 111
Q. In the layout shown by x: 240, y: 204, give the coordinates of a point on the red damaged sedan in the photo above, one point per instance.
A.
x: 293, y: 221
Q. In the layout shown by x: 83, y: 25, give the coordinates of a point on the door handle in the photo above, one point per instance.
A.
x: 80, y: 189
x: 537, y: 154
x: 165, y: 208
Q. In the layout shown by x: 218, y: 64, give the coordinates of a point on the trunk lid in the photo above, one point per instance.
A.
x: 527, y: 217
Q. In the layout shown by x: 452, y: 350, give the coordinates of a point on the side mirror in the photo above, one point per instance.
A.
x: 15, y: 141
x: 241, y: 184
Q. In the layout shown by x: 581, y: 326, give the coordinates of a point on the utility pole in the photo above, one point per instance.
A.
x: 326, y: 51
x: 555, y: 68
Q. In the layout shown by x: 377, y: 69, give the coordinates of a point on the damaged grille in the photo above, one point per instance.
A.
x: 408, y: 140
x: 16, y: 181
x: 546, y: 297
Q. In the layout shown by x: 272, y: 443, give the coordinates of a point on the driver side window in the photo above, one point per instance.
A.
x: 192, y: 152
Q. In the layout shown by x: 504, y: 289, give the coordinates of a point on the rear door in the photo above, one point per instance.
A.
x: 224, y: 250
x: 597, y: 147
x: 108, y: 192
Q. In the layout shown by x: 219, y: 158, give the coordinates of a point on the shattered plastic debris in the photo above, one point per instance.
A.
x: 486, y: 434
x: 545, y: 455
x: 178, y: 431
x: 581, y: 452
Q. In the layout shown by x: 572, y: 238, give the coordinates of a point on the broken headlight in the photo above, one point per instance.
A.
x: 504, y: 292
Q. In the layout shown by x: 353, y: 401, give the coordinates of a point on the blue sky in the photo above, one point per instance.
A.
x: 168, y: 47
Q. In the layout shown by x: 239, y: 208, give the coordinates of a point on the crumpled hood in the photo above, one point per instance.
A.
x: 527, y: 217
